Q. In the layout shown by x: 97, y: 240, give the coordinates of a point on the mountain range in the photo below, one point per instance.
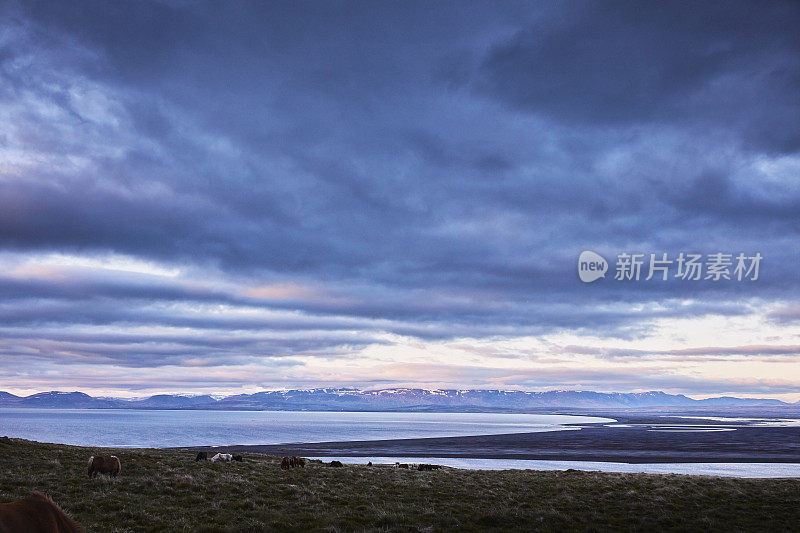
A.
x: 399, y: 399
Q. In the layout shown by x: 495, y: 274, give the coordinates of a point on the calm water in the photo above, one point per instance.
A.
x: 134, y: 428
x: 703, y: 469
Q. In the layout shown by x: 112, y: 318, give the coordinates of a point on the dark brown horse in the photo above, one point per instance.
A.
x: 35, y: 514
x: 291, y: 462
x: 201, y: 456
x: 104, y: 464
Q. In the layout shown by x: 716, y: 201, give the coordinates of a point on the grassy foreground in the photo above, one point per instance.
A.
x: 165, y: 490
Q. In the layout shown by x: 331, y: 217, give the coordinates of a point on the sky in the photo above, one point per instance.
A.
x: 228, y: 197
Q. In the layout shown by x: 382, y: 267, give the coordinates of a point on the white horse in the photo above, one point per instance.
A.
x: 222, y: 457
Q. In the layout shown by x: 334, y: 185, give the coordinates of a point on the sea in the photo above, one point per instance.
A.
x: 127, y: 428
x: 749, y: 470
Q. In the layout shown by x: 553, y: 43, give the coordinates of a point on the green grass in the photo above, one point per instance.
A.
x: 165, y: 490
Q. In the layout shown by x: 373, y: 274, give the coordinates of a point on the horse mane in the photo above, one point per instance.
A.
x: 59, y: 511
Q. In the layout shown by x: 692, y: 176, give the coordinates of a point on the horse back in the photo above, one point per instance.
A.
x: 35, y: 514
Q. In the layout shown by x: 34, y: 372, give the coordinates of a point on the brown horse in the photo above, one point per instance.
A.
x: 286, y: 463
x: 35, y: 514
x: 201, y: 456
x: 298, y: 461
x: 104, y: 464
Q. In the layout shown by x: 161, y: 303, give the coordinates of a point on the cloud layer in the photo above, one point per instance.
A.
x: 229, y: 197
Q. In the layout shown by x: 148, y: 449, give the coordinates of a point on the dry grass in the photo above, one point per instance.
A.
x: 161, y: 490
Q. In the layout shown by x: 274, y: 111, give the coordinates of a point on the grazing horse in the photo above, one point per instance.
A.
x: 104, y: 464
x: 286, y: 463
x: 201, y: 456
x: 222, y: 457
x: 336, y: 464
x: 298, y: 461
x: 238, y: 458
x: 35, y: 514
x: 401, y: 465
x: 428, y: 467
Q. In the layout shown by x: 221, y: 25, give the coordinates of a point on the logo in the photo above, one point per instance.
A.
x: 591, y: 266
x: 685, y: 266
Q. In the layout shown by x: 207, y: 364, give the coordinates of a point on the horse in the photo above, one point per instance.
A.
x: 286, y: 463
x: 104, y: 464
x: 201, y: 456
x: 401, y: 465
x: 36, y: 514
x: 428, y: 467
x: 238, y: 458
x: 222, y: 457
x: 336, y: 464
x: 298, y: 461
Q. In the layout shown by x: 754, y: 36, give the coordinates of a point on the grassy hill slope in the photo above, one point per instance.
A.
x: 165, y: 490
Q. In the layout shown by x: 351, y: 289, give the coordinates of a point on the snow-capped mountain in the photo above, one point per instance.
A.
x: 348, y: 399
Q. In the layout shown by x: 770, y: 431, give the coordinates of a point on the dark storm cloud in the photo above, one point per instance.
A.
x: 712, y: 64
x: 153, y: 350
x: 437, y: 168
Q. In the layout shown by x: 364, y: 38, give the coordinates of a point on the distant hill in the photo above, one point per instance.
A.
x: 384, y: 400
x: 65, y: 400
x: 169, y: 401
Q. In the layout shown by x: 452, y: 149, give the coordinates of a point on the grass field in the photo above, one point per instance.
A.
x: 165, y: 490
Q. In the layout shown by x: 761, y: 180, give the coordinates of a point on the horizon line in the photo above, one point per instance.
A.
x: 218, y: 397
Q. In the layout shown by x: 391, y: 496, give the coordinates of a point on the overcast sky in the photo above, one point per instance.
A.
x: 230, y: 197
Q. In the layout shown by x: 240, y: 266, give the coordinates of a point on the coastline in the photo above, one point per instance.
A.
x: 633, y: 440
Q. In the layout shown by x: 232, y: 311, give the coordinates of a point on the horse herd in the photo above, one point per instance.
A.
x: 38, y: 513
